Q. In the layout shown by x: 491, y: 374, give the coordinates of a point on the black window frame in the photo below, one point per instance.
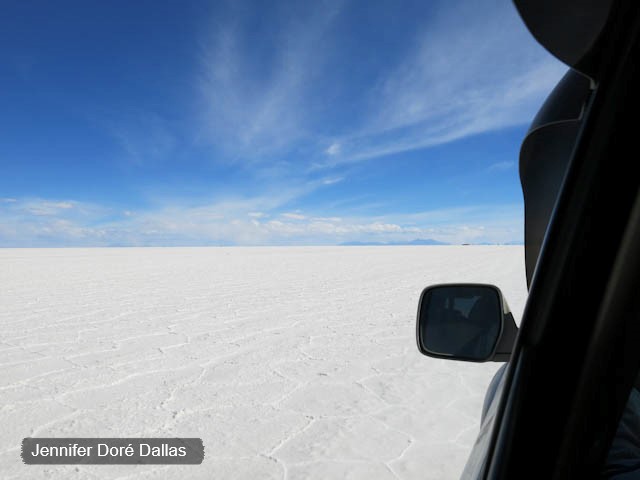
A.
x: 576, y: 356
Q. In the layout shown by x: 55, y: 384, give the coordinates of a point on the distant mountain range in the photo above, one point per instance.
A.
x: 418, y: 241
x: 512, y: 242
x: 421, y: 241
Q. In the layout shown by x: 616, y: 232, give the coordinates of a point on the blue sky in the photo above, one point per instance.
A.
x: 264, y: 123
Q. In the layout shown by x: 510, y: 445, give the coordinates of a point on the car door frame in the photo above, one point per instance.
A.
x: 574, y: 363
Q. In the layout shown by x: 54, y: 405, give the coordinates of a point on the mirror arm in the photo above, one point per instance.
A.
x: 507, y: 339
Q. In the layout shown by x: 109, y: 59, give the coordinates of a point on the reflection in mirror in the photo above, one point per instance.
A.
x: 460, y: 320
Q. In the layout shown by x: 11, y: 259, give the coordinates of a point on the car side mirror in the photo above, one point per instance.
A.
x: 469, y: 322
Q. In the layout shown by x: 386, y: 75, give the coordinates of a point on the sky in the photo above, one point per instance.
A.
x: 165, y: 123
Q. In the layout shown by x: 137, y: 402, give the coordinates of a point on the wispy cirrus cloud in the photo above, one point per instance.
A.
x: 470, y: 69
x: 255, y: 94
x: 506, y: 165
x: 293, y: 216
x: 65, y: 209
x: 474, y: 69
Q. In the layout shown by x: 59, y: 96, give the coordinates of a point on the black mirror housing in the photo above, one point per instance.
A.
x: 469, y: 322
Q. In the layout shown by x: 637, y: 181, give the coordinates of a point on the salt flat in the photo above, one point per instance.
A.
x: 295, y: 363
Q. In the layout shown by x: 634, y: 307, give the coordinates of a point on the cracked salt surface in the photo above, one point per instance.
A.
x: 296, y: 363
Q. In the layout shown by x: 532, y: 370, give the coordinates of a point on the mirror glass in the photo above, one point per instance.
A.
x: 462, y: 321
